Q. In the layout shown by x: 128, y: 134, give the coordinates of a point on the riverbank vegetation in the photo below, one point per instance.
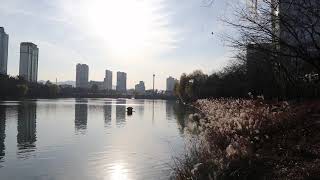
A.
x: 17, y: 87
x: 253, y: 139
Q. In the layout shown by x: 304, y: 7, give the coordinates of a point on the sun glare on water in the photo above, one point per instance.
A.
x: 118, y: 172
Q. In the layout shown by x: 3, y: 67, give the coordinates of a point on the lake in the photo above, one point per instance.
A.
x: 64, y: 139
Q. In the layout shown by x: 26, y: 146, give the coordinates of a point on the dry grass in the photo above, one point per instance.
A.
x: 245, y: 139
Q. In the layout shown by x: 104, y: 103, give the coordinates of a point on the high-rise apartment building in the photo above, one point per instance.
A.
x: 82, y: 76
x: 171, y: 82
x: 28, y: 68
x: 4, y: 40
x: 121, y: 81
x: 140, y: 88
x: 108, y: 80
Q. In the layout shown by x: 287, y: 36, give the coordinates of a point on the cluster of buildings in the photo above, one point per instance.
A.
x: 82, y: 81
x: 29, y: 54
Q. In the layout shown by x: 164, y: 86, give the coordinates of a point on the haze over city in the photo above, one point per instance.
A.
x: 141, y: 38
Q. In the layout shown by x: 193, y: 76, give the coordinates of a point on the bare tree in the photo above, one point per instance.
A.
x: 286, y: 31
x: 292, y: 27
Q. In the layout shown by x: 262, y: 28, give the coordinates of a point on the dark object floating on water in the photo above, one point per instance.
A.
x: 129, y: 110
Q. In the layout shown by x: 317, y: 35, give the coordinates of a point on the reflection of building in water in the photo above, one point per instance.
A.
x: 121, y: 112
x: 26, y: 137
x: 140, y: 109
x: 81, y: 114
x: 107, y: 114
x: 2, y: 130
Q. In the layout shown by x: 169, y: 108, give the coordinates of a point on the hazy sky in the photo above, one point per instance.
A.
x: 140, y: 37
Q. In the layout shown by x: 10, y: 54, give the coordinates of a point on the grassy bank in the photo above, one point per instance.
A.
x: 253, y: 139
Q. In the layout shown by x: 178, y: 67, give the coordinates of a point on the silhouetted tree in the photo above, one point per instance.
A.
x: 22, y: 90
x: 232, y: 81
x: 287, y: 32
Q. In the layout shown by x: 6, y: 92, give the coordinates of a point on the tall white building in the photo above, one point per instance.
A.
x: 4, y: 40
x: 171, y: 82
x: 28, y: 68
x: 108, y: 80
x: 82, y: 76
x: 121, y: 81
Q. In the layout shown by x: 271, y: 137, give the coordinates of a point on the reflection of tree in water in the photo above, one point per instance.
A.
x: 181, y: 113
x: 107, y: 114
x: 2, y: 130
x: 121, y: 112
x: 81, y: 115
x: 26, y: 138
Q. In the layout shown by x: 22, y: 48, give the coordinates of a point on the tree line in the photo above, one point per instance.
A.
x: 18, y: 87
x: 232, y: 81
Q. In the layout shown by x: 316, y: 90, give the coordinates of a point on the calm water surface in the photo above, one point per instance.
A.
x: 89, y: 139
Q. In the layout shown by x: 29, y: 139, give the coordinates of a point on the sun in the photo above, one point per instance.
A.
x: 127, y: 27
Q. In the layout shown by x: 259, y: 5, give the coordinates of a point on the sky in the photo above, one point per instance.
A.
x: 139, y: 37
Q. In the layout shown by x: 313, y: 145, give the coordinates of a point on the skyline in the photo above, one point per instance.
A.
x: 161, y: 43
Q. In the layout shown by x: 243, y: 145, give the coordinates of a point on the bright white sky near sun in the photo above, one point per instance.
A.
x: 140, y: 37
